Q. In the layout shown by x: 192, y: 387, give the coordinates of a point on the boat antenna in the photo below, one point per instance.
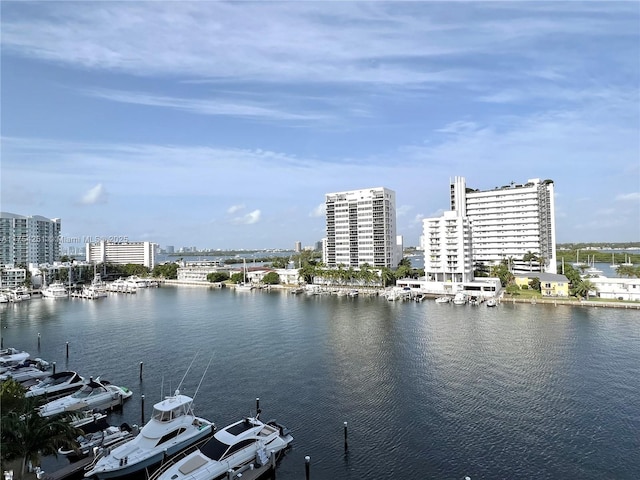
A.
x: 205, y: 372
x: 185, y: 373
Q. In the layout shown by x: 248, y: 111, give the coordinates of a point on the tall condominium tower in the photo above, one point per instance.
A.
x: 509, y: 221
x: 447, y: 248
x: 361, y: 228
x: 28, y: 239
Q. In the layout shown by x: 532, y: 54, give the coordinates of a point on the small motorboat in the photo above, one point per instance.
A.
x: 492, y: 302
x: 89, y: 421
x: 12, y: 356
x: 172, y: 429
x: 27, y: 373
x: 443, y: 300
x: 460, y: 298
x: 231, y: 451
x: 95, y: 394
x: 106, y: 438
x: 56, y: 385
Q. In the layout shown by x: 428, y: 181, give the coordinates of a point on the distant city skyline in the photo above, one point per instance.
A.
x: 224, y: 124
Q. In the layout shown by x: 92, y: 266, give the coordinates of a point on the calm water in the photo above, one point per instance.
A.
x: 429, y: 391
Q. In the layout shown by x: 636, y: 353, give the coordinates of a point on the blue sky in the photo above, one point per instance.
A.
x: 223, y: 124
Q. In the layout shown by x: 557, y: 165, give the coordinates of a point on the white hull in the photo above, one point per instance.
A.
x: 153, y: 443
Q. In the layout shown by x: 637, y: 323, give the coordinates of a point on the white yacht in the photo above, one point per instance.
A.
x: 95, y: 394
x: 55, y: 291
x: 230, y: 451
x: 12, y: 356
x: 173, y: 428
x: 122, y: 286
x: 137, y: 281
x: 460, y: 298
x: 56, y: 385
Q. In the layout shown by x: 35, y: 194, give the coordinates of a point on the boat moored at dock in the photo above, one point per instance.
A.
x: 172, y: 429
x: 231, y: 450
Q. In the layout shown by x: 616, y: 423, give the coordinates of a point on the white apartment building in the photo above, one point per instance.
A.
x: 121, y: 253
x: 509, y: 221
x: 447, y: 248
x: 361, y: 228
x: 28, y: 239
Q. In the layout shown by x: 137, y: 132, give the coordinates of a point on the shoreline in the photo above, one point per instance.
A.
x: 532, y: 301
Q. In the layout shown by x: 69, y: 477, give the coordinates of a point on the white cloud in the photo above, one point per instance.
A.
x: 248, y: 219
x: 97, y: 194
x: 403, y: 210
x: 205, y: 106
x: 319, y: 211
x: 235, y: 208
x: 628, y: 196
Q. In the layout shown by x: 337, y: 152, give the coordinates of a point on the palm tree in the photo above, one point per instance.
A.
x: 26, y: 435
x: 583, y: 287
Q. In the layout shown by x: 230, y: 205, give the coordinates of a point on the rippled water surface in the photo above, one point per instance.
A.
x: 428, y: 390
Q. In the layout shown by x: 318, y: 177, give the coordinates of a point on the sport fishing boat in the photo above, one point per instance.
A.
x: 95, y: 394
x: 173, y: 428
x: 231, y: 451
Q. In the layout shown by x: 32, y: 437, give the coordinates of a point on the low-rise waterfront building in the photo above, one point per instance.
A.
x: 617, y: 288
x: 551, y: 284
x: 12, y: 276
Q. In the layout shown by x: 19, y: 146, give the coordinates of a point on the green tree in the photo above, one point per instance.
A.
x: 628, y: 271
x: 271, y: 278
x: 534, y: 283
x: 583, y: 288
x: 237, y: 277
x: 166, y: 270
x: 387, y: 276
x: 307, y: 272
x: 405, y: 262
x: 503, y: 272
x: 280, y: 262
x: 403, y: 271
x: 216, y: 277
x: 24, y: 434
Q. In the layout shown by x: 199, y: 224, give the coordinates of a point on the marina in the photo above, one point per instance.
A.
x: 514, y: 391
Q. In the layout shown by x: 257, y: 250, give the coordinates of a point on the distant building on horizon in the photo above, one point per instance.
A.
x: 29, y: 239
x: 121, y: 253
x: 509, y: 221
x: 361, y: 228
x: 298, y: 247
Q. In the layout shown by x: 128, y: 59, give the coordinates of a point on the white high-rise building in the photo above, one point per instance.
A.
x: 140, y: 253
x: 447, y: 248
x: 28, y: 239
x: 361, y: 228
x: 509, y: 221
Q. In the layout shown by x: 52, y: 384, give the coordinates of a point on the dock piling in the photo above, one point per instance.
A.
x: 346, y: 443
x: 38, y: 341
x: 307, y: 460
x: 53, y: 364
x: 67, y: 349
x: 142, y: 409
x: 257, y: 406
x: 141, y: 370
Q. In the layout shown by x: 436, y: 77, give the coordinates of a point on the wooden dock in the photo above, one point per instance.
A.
x: 73, y: 469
